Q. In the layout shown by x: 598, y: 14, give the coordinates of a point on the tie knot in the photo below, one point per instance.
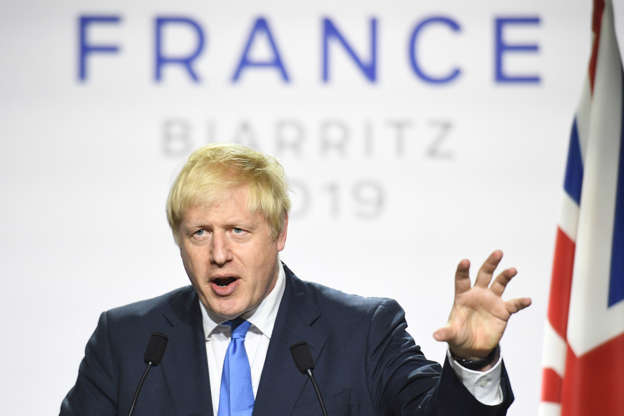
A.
x: 239, y: 327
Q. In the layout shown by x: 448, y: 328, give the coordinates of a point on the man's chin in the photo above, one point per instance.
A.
x: 223, y: 310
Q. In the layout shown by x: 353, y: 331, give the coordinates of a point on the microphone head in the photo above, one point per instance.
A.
x: 155, y: 348
x: 302, y: 356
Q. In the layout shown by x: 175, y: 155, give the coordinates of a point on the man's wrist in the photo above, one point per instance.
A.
x: 478, y: 364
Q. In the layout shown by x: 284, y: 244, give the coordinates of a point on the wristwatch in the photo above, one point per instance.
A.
x: 478, y: 363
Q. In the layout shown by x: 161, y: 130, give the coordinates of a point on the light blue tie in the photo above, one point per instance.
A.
x: 236, y: 397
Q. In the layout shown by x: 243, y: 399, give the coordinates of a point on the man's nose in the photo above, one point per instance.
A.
x: 220, y: 252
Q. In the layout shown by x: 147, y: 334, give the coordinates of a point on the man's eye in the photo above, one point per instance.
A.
x: 237, y: 230
x: 199, y: 233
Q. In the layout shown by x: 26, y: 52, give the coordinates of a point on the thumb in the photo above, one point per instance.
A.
x: 444, y: 334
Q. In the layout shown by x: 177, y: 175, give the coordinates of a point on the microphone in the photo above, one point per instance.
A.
x: 153, y: 355
x: 155, y: 349
x: 304, y: 362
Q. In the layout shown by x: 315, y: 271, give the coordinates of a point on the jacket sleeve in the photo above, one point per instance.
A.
x: 95, y: 391
x: 403, y: 382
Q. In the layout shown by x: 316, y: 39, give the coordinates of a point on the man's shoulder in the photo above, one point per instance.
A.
x: 339, y: 302
x: 181, y: 296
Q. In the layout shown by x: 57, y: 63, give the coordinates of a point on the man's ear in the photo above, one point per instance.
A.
x: 281, y: 238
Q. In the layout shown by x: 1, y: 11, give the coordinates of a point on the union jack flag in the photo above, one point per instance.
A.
x: 583, y: 358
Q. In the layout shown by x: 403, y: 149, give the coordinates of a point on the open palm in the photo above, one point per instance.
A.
x: 479, y: 315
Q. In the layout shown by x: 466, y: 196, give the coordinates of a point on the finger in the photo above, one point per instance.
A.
x: 487, y: 270
x: 501, y: 281
x: 462, y: 277
x: 515, y: 305
x: 444, y: 334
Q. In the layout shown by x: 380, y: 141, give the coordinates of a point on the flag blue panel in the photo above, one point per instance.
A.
x: 616, y: 282
x: 573, y: 182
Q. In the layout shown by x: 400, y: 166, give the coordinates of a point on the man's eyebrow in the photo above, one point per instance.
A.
x: 195, y: 224
x: 241, y: 224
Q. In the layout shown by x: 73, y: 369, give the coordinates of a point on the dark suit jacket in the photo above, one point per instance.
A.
x: 366, y: 364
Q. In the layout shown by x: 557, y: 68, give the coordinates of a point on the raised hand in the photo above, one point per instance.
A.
x: 479, y: 315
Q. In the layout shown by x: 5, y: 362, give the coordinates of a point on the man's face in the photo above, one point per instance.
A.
x: 229, y: 253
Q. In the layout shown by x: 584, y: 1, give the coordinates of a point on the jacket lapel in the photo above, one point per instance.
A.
x: 297, y: 321
x: 184, y: 364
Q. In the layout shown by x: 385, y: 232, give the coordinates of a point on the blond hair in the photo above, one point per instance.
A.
x: 216, y: 167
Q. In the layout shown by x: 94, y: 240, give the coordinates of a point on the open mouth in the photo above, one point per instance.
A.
x: 224, y: 286
x: 223, y: 281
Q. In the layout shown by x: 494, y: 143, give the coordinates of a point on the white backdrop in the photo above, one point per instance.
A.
x: 394, y: 180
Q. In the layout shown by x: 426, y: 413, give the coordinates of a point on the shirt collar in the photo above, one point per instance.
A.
x: 262, y: 318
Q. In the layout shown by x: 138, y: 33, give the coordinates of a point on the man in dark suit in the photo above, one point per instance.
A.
x: 230, y: 334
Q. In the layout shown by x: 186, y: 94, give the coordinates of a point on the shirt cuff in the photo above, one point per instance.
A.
x: 483, y: 385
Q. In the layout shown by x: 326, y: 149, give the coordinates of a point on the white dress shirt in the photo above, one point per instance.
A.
x: 257, y: 340
x: 484, y: 386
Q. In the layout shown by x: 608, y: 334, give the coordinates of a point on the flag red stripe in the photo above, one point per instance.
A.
x: 551, y: 386
x: 590, y: 386
x: 596, y: 24
x: 560, y: 284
